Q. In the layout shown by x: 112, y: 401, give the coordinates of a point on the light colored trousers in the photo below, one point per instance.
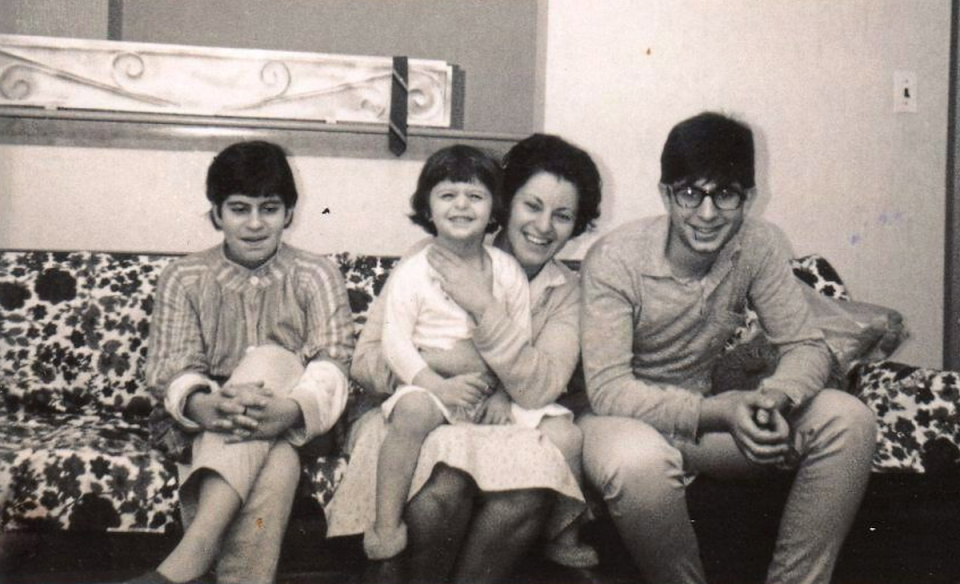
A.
x: 264, y: 474
x: 642, y: 476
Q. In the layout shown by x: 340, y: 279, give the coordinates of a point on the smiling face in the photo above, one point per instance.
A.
x: 542, y: 217
x: 704, y: 230
x: 252, y: 227
x: 460, y: 211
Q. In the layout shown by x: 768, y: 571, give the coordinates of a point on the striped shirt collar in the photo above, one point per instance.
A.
x: 232, y: 275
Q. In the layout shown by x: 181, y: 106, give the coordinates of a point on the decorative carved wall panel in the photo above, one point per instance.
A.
x: 49, y: 72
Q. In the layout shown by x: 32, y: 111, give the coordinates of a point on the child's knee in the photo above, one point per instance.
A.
x: 278, y: 368
x: 415, y: 414
x: 564, y: 434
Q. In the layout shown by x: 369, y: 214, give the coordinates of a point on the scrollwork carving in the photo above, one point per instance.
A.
x: 121, y: 76
x: 16, y: 82
x: 127, y: 66
x: 276, y: 76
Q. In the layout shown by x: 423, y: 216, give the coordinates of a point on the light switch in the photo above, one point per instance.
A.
x: 904, y: 92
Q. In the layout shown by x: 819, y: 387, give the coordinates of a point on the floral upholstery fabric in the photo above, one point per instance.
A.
x: 918, y: 413
x: 46, y: 359
x: 84, y: 472
x: 74, y: 448
x: 92, y: 473
x: 814, y: 271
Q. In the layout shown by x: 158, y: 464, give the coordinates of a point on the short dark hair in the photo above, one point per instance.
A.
x: 457, y: 163
x: 254, y: 169
x: 712, y: 146
x: 554, y: 155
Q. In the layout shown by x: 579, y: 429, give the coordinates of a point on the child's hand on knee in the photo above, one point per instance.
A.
x: 266, y: 418
x: 497, y: 410
x: 462, y: 391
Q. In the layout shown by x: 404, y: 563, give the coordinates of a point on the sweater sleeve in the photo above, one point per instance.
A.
x: 775, y: 294
x: 369, y: 367
x: 611, y: 306
x: 321, y: 394
x: 535, y: 372
x: 401, y: 307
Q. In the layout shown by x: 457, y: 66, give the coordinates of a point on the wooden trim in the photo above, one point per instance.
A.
x: 115, y: 20
x: 102, y: 129
x: 951, y: 295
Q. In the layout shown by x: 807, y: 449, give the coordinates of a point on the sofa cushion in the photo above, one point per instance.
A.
x: 82, y: 472
x: 121, y: 302
x: 46, y: 358
x: 365, y: 277
x: 918, y: 413
x: 88, y: 472
x: 75, y: 326
x: 816, y: 272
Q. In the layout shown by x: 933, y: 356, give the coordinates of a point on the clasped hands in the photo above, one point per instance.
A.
x: 246, y: 411
x: 756, y: 421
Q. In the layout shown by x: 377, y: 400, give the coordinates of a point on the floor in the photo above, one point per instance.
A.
x: 38, y: 560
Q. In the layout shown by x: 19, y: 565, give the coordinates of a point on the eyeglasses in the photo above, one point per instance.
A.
x: 724, y: 198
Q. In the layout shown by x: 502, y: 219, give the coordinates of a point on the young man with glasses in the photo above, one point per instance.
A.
x: 661, y: 297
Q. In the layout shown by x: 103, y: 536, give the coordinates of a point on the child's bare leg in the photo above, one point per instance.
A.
x: 217, y: 500
x: 414, y: 416
x: 217, y: 503
x: 566, y: 548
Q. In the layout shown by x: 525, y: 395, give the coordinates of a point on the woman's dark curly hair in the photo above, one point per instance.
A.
x: 554, y: 155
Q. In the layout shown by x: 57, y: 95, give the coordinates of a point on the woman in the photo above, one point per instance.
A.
x: 249, y: 345
x: 457, y: 530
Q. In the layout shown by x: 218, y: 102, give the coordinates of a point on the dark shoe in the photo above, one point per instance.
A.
x: 390, y: 571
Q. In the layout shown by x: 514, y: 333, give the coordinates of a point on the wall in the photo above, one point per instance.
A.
x: 85, y: 19
x: 838, y: 170
x: 154, y: 201
x: 841, y: 173
x: 493, y: 40
x: 73, y: 196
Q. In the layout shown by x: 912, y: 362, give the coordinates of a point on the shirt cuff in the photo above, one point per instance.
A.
x: 687, y: 423
x: 321, y: 394
x: 795, y: 396
x: 179, y: 390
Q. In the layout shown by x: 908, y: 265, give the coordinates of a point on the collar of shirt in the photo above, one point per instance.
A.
x: 653, y: 253
x: 234, y: 276
x: 552, y: 275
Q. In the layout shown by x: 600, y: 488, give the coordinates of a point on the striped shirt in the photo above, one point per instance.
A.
x: 209, y: 310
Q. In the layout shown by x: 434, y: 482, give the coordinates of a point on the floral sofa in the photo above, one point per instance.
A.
x: 74, y: 445
x: 74, y: 448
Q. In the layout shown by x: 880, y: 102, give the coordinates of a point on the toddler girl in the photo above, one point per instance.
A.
x: 456, y: 194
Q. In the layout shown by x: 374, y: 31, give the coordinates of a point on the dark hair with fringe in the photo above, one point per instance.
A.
x: 457, y: 163
x: 255, y: 169
x: 554, y: 155
x: 709, y: 146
